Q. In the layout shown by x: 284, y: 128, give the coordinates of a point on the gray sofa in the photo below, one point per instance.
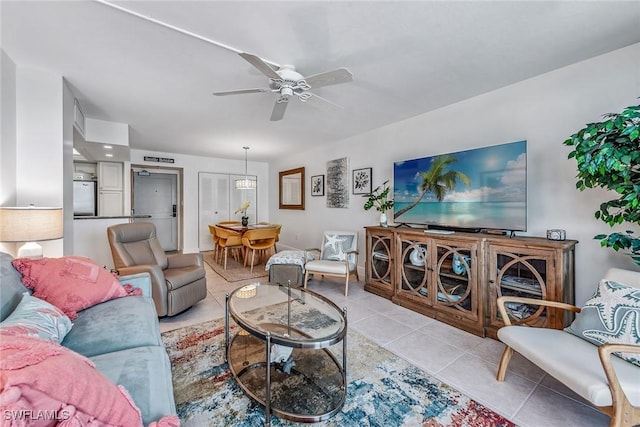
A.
x: 122, y: 338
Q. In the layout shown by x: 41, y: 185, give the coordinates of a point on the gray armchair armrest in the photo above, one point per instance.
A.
x: 184, y: 260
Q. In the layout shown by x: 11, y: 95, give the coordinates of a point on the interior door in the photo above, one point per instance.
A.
x: 156, y: 194
x: 219, y: 200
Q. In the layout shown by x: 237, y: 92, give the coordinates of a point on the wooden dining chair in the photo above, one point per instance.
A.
x: 229, y: 240
x: 261, y: 240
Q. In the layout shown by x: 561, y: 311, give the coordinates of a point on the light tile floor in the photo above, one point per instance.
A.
x: 528, y: 397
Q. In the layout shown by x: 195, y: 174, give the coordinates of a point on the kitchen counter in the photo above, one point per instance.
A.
x: 90, y: 237
x: 112, y: 217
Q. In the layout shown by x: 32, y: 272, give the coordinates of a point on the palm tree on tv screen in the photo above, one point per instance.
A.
x: 438, y: 180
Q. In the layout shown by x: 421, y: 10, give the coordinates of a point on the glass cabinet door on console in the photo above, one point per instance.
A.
x: 412, y: 270
x: 530, y: 272
x: 456, y: 279
x: 379, y: 265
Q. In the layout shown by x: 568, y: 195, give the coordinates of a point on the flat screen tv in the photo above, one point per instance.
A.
x: 482, y: 188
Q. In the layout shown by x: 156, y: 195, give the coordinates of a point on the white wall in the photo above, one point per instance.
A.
x: 7, y: 137
x: 31, y: 151
x: 544, y: 110
x: 67, y: 166
x: 192, y: 165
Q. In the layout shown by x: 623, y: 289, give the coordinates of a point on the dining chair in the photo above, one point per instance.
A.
x: 216, y: 241
x: 278, y: 227
x: 230, y: 222
x: 229, y: 240
x: 338, y: 257
x: 259, y: 239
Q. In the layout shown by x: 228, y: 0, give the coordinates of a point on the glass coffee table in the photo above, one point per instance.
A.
x: 289, y: 330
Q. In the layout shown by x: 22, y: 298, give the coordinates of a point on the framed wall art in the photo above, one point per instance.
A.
x: 317, y: 185
x: 338, y: 183
x: 361, y: 181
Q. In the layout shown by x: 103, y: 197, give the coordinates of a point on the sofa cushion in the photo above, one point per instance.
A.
x: 39, y: 376
x: 572, y: 361
x: 70, y: 283
x: 12, y: 288
x: 146, y: 374
x: 36, y: 318
x: 115, y: 325
x: 611, y: 316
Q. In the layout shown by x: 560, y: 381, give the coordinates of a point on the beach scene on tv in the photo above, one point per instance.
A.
x: 479, y: 188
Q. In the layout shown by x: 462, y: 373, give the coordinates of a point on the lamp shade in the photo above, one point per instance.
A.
x: 245, y: 184
x: 30, y: 224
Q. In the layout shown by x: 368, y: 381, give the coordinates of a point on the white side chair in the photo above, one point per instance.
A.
x: 608, y: 382
x: 338, y: 257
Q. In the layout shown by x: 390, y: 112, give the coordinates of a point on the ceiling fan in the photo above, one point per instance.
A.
x: 287, y: 82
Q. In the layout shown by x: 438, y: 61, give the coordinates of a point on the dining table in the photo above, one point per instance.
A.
x: 244, y: 228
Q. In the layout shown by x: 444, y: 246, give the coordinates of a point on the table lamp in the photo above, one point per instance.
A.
x: 28, y: 224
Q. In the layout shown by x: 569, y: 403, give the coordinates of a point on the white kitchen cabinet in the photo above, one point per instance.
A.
x: 110, y: 189
x: 110, y: 203
x: 110, y: 176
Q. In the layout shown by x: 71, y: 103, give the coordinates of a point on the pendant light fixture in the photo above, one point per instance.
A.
x: 246, y: 183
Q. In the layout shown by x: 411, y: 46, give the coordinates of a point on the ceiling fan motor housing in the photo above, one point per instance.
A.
x: 286, y: 82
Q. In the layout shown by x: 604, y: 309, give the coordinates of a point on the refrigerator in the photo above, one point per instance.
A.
x: 84, y: 198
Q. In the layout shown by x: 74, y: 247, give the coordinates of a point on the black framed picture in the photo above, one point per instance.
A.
x: 361, y: 182
x: 317, y: 185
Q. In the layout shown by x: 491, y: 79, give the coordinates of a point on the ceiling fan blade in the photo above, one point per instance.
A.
x: 279, y: 108
x: 240, y: 92
x: 260, y: 65
x: 341, y: 75
x: 321, y: 103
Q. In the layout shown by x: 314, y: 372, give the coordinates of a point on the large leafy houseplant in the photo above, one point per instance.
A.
x: 608, y: 156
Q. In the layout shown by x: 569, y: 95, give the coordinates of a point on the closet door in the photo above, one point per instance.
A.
x: 213, y: 199
x: 218, y: 201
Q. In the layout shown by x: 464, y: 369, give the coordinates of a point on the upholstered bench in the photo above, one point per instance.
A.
x: 285, y: 266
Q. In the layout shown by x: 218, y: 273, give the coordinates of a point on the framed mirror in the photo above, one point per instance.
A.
x: 291, y: 189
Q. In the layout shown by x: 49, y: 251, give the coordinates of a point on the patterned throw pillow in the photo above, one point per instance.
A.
x: 611, y: 316
x: 36, y: 318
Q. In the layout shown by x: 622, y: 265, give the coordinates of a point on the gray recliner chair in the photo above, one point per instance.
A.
x: 177, y: 281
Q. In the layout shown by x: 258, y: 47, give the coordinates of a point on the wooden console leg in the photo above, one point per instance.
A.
x: 504, y: 362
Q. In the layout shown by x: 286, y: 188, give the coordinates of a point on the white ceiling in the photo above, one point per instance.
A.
x: 407, y: 58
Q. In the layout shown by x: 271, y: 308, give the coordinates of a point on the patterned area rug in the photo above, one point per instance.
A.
x: 383, y: 389
x: 235, y: 271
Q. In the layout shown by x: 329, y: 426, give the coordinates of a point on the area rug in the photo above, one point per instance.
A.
x: 383, y: 389
x: 235, y: 271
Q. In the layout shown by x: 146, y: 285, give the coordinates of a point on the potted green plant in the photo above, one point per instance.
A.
x: 379, y: 198
x: 243, y: 209
x: 608, y: 157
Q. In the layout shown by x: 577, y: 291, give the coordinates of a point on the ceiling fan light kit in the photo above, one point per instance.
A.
x: 287, y: 82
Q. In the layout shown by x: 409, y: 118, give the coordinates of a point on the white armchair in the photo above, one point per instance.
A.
x: 607, y: 381
x: 338, y: 257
